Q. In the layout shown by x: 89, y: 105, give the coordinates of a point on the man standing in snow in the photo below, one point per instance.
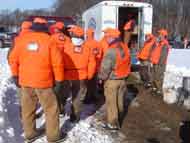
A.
x: 25, y: 28
x: 60, y: 39
x: 115, y: 68
x: 144, y: 57
x: 158, y: 59
x: 37, y: 64
x: 95, y: 49
x: 79, y: 66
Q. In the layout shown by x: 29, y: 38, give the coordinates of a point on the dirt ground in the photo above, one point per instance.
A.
x: 150, y: 120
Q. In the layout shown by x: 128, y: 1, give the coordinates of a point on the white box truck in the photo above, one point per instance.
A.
x: 114, y: 14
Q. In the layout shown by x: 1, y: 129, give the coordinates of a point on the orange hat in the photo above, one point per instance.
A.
x: 40, y: 20
x: 26, y: 25
x: 59, y: 25
x: 114, y: 33
x: 163, y: 32
x: 77, y: 31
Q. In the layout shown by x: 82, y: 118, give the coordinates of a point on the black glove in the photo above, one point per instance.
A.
x: 15, y: 81
x: 58, y: 86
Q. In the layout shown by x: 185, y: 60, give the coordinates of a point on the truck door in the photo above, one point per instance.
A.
x: 140, y: 28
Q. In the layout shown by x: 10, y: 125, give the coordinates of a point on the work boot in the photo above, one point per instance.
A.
x: 108, y: 126
x: 153, y: 91
x: 39, y: 134
x: 74, y: 118
x: 60, y: 140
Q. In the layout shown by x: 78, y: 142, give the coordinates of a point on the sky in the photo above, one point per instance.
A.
x: 25, y: 4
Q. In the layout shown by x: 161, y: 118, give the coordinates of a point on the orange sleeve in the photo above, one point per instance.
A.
x: 91, y: 65
x: 57, y: 62
x: 13, y: 59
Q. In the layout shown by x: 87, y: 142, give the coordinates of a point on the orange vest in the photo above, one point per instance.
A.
x: 79, y: 62
x: 156, y: 53
x: 103, y: 46
x: 36, y: 61
x: 123, y: 64
x: 144, y: 54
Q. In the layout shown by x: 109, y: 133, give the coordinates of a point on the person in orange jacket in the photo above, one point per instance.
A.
x: 115, y: 68
x: 37, y: 66
x: 25, y: 28
x: 158, y: 59
x: 95, y: 49
x: 79, y: 66
x: 57, y: 36
x: 144, y: 57
x: 129, y: 28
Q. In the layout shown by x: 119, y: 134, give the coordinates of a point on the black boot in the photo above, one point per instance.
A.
x: 39, y: 133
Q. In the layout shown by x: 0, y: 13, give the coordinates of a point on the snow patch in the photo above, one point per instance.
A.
x: 177, y: 68
x: 1, y: 140
x: 1, y: 121
x: 10, y: 132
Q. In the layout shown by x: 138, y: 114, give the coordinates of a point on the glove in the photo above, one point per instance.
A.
x: 58, y: 86
x: 15, y: 81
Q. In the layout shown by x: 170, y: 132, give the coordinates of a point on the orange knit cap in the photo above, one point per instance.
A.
x: 26, y: 25
x: 114, y: 33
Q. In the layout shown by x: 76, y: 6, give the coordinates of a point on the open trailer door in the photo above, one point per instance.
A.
x: 137, y: 35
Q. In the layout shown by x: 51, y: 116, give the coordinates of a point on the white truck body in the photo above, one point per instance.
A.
x: 106, y: 14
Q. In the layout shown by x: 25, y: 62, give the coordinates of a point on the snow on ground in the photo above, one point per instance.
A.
x: 177, y: 68
x: 86, y: 131
x: 4, y: 68
x: 10, y: 126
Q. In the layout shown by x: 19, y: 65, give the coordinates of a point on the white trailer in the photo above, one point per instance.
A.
x: 114, y: 14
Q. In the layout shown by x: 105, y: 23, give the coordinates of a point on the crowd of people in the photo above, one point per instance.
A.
x: 51, y: 64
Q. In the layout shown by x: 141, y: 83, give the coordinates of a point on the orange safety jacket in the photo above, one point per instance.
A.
x: 79, y: 62
x: 145, y: 52
x: 123, y: 64
x: 36, y: 61
x: 96, y: 51
x: 60, y: 39
x: 104, y: 46
x: 156, y: 53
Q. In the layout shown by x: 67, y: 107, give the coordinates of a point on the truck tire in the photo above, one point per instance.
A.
x: 1, y: 44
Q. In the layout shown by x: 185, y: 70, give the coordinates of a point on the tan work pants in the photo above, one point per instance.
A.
x: 145, y: 71
x: 114, y: 91
x: 48, y: 101
x: 158, y: 76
